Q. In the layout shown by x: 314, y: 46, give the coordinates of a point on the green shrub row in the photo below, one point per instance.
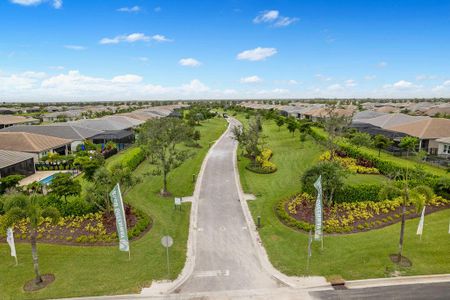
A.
x: 132, y: 158
x: 144, y: 221
x: 356, y: 193
x: 288, y: 220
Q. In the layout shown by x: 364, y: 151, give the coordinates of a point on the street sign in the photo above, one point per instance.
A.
x: 178, y: 203
x: 167, y: 241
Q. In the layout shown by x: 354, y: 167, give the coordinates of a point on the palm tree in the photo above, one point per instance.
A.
x: 418, y: 196
x: 20, y: 206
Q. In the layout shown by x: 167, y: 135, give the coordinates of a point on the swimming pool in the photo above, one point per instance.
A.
x: 47, y: 180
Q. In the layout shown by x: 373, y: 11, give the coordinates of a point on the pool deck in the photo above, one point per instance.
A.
x: 38, y: 176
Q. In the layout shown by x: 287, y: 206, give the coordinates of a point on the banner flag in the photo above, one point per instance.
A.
x: 10, y: 240
x: 121, y: 222
x: 318, y: 210
x: 420, y: 227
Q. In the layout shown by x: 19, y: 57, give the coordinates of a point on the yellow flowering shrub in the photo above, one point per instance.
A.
x: 350, y: 164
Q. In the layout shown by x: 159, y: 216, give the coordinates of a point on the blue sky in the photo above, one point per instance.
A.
x: 167, y: 49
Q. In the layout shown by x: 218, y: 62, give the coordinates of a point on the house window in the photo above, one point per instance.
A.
x: 446, y: 149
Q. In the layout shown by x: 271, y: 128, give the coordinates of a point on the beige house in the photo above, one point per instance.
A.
x: 427, y: 130
x: 37, y: 144
x: 11, y: 120
x: 443, y: 147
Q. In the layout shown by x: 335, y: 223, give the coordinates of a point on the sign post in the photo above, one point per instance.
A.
x: 167, y: 242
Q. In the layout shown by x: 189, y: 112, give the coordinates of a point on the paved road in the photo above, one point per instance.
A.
x: 225, y: 258
x: 430, y: 291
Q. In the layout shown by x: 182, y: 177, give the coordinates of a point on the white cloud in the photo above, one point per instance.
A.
x: 57, y: 4
x: 189, y: 62
x: 323, y: 77
x: 370, y: 77
x: 195, y: 86
x: 142, y: 58
x: 273, y: 17
x: 128, y: 78
x: 400, y: 85
x: 335, y: 87
x: 266, y: 16
x: 251, y: 79
x: 425, y: 77
x: 256, y: 54
x: 56, y: 68
x: 132, y: 9
x: 292, y: 81
x: 75, y: 47
x: 130, y: 38
x: 285, y: 21
x: 160, y: 38
x: 445, y: 86
x: 350, y: 83
x: 382, y: 64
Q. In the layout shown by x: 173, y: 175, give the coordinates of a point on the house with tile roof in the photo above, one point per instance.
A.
x: 76, y: 134
x: 11, y: 120
x: 37, y: 144
x: 443, y: 147
x: 427, y: 130
x: 16, y: 163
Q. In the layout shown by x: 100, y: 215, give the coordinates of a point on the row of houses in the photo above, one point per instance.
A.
x: 36, y: 141
x: 433, y: 133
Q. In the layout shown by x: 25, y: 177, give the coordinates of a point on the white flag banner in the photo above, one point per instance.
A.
x: 318, y: 210
x: 420, y: 227
x: 10, y: 240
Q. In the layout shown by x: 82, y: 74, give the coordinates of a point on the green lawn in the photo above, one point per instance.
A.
x: 353, y: 256
x: 402, y: 161
x: 83, y: 271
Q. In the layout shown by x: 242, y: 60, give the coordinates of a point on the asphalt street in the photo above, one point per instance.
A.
x: 225, y: 257
x: 429, y: 291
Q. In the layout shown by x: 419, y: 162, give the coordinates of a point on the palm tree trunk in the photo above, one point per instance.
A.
x: 38, y: 278
x: 402, y: 232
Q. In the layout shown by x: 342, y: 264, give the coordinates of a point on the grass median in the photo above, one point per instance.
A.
x: 352, y: 256
x: 93, y: 270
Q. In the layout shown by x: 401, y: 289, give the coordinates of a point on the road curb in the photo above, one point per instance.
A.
x: 257, y: 243
x: 164, y: 288
x: 392, y: 281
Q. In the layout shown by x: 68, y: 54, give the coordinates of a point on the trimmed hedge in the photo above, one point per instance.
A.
x: 133, y: 158
x: 289, y: 220
x: 357, y: 193
x: 144, y: 222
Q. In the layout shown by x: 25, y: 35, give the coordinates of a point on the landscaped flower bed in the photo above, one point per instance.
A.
x: 263, y: 165
x: 298, y: 212
x: 356, y: 166
x: 94, y: 228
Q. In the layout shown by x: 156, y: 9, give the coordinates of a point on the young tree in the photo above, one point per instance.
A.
x: 280, y: 122
x: 292, y: 125
x: 409, y: 143
x: 97, y: 190
x: 161, y: 137
x: 334, y: 124
x: 418, y: 196
x: 63, y: 185
x: 333, y: 175
x: 381, y: 142
x: 360, y: 139
x: 18, y: 207
x: 304, y: 128
x: 9, y: 182
x: 250, y: 138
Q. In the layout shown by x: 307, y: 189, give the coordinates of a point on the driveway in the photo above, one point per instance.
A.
x: 225, y: 255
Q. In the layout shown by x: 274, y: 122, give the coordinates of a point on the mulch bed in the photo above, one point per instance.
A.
x: 31, y: 286
x: 305, y: 213
x: 56, y: 234
x: 403, y: 262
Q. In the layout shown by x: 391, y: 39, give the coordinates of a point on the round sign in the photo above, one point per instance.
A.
x: 167, y: 241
